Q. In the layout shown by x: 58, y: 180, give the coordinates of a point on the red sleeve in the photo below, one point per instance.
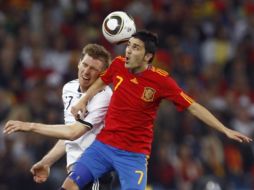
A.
x: 107, y: 76
x: 172, y: 92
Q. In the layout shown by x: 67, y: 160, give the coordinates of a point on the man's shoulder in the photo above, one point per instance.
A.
x: 107, y: 91
x: 100, y: 101
x: 103, y: 96
x: 118, y: 59
x: 159, y: 72
x: 71, y: 85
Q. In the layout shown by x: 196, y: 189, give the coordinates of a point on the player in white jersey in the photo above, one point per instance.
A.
x: 96, y: 113
x: 93, y: 61
x: 97, y: 110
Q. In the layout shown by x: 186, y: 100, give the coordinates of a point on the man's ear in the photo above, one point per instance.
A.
x: 79, y: 64
x: 148, y: 57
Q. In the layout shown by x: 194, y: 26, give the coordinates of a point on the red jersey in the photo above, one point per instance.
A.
x: 132, y: 109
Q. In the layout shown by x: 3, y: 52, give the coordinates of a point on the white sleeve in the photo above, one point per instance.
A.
x: 97, y: 107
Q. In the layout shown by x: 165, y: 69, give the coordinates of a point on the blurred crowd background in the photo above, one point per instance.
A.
x: 206, y: 45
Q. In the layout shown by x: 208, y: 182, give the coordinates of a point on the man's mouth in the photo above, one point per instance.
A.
x: 127, y: 60
x: 85, y: 78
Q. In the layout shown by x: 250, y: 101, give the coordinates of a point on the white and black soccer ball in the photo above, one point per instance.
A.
x: 118, y: 27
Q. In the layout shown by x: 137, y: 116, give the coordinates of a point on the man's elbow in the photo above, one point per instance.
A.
x: 73, y: 136
x: 76, y: 132
x: 193, y: 109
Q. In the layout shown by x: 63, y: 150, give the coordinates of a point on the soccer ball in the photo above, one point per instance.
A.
x: 118, y: 27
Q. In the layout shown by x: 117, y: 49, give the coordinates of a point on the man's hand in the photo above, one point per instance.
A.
x: 78, y: 109
x: 40, y: 172
x: 235, y: 135
x: 14, y: 126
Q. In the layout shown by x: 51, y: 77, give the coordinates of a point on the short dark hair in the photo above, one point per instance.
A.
x: 97, y: 51
x: 150, y: 41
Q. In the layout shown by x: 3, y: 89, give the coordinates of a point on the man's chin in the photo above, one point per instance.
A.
x: 84, y: 84
x: 127, y: 66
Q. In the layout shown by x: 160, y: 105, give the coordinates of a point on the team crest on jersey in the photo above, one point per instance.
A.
x: 148, y: 94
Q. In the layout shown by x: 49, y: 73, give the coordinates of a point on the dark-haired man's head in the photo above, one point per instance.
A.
x: 140, y: 51
x: 150, y: 41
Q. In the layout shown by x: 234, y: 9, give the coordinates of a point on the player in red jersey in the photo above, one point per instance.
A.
x: 125, y: 142
x: 138, y: 89
x: 133, y: 107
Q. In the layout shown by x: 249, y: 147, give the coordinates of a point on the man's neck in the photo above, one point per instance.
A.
x: 139, y: 69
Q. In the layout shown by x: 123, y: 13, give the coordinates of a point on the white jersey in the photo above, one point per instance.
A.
x: 96, y: 110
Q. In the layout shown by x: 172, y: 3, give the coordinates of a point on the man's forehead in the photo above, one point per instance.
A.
x: 87, y: 57
x: 90, y: 60
x: 136, y: 41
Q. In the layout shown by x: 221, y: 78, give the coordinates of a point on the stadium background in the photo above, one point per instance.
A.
x: 206, y: 45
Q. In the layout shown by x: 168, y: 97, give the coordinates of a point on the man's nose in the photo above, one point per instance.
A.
x: 128, y: 50
x: 86, y: 70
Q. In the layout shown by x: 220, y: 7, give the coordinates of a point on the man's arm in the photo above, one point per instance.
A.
x: 69, y: 132
x: 41, y: 169
x: 54, y: 154
x: 204, y: 115
x: 81, y: 104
